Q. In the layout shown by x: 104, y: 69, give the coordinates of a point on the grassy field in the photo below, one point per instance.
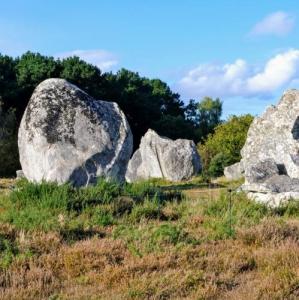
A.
x: 152, y: 240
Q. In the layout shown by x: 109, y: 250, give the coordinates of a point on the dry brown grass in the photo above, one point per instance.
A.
x: 174, y: 257
x: 261, y: 263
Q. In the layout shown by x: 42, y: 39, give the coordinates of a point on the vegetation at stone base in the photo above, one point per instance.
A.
x: 116, y: 241
x: 222, y: 148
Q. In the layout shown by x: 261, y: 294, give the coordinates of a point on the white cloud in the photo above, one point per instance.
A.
x: 278, y: 23
x: 240, y: 78
x: 101, y: 58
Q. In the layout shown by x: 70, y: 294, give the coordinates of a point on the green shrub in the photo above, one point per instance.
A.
x: 31, y: 205
x: 9, y: 155
x: 217, y: 164
x: 102, y: 217
x: 228, y: 139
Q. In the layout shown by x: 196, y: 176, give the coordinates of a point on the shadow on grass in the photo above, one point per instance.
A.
x: 190, y: 186
x: 78, y: 234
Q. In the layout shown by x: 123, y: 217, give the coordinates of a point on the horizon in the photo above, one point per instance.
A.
x: 246, y: 55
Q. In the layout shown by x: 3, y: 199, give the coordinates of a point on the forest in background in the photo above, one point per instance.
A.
x: 147, y: 103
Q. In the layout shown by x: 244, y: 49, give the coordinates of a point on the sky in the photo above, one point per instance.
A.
x: 245, y: 52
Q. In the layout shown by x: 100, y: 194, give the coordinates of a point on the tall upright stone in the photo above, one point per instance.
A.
x: 275, y: 136
x: 67, y: 136
x: 270, y: 155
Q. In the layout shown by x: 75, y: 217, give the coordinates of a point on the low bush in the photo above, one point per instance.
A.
x: 31, y: 206
x: 149, y: 209
x: 9, y: 154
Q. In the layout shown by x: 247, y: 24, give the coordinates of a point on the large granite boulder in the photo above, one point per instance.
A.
x: 270, y: 155
x: 161, y: 157
x: 275, y: 135
x: 67, y: 136
x: 235, y: 171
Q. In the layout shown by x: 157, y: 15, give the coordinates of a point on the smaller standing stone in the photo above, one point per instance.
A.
x: 161, y: 157
x: 20, y: 174
x: 235, y: 171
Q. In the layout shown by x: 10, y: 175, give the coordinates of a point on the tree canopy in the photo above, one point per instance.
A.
x: 147, y: 103
x: 222, y: 148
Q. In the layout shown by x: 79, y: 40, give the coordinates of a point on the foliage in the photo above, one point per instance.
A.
x: 217, y: 164
x: 223, y: 147
x: 209, y: 114
x: 33, y: 205
x: 144, y: 101
x: 9, y: 155
x: 147, y: 103
x: 204, y: 116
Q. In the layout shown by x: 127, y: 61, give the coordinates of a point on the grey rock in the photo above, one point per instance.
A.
x: 282, y: 184
x: 161, y: 157
x: 274, y: 184
x: 235, y: 171
x: 67, y: 136
x: 275, y: 135
x: 273, y: 199
x: 255, y: 188
x: 20, y: 174
x: 261, y: 171
x: 271, y: 153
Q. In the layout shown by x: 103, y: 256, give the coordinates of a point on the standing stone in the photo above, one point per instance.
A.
x: 20, y: 174
x: 275, y: 135
x: 67, y: 136
x: 270, y: 155
x: 235, y: 171
x: 161, y: 157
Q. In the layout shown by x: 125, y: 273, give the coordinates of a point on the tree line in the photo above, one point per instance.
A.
x: 147, y: 103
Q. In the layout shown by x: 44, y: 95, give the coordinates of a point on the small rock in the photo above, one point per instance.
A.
x: 20, y: 174
x: 235, y: 171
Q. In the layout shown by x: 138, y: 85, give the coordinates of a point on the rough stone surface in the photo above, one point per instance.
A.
x: 20, y: 174
x: 275, y: 135
x: 273, y: 199
x: 67, y: 136
x: 274, y: 184
x: 160, y: 157
x: 271, y: 153
x: 261, y: 171
x: 235, y: 171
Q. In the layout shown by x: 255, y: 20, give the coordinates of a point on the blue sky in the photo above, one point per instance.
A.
x: 245, y: 52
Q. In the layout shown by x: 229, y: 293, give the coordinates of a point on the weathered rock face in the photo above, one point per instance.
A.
x: 160, y: 157
x: 67, y: 136
x: 261, y: 171
x: 235, y: 171
x: 20, y: 174
x: 271, y: 153
x: 275, y: 135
